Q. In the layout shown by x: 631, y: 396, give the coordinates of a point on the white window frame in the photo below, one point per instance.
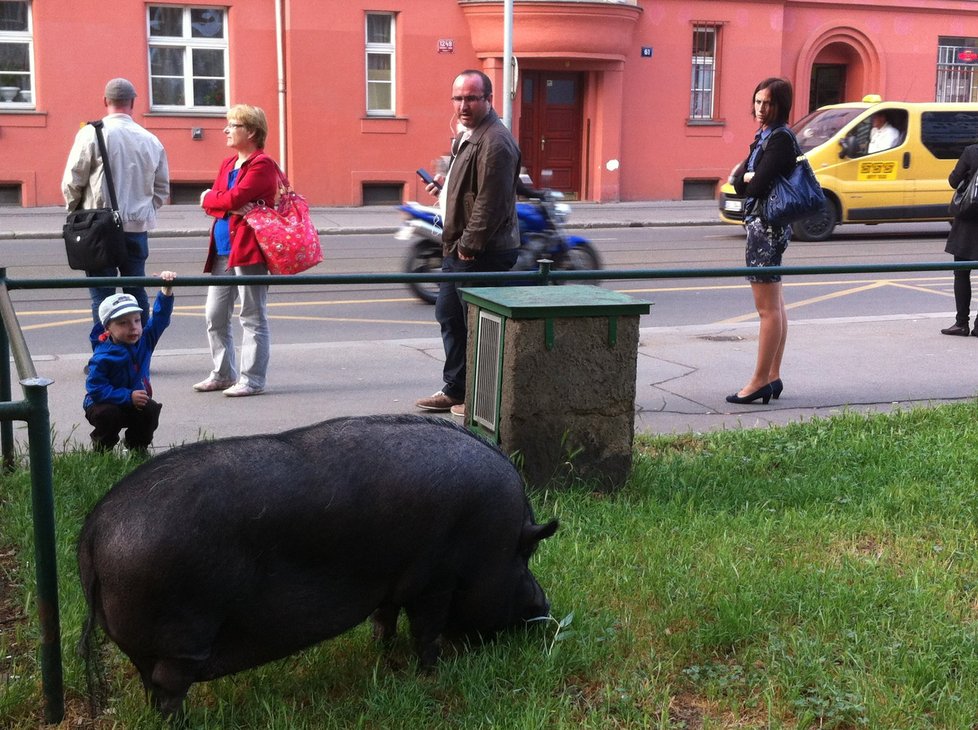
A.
x: 189, y: 44
x: 380, y: 49
x: 704, y: 71
x: 20, y: 37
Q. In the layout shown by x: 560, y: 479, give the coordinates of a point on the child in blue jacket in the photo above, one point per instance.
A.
x: 119, y: 394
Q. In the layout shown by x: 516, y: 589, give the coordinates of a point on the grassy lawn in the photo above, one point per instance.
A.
x: 818, y: 575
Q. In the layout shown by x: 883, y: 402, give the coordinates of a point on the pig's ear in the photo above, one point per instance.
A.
x: 533, y: 534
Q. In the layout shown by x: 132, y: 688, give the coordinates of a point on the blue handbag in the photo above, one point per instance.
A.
x: 794, y: 197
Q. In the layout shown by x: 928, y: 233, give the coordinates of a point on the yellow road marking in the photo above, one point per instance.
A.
x: 917, y: 284
x: 813, y: 300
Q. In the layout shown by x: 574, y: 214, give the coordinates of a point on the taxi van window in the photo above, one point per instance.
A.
x: 883, y: 130
x: 946, y: 134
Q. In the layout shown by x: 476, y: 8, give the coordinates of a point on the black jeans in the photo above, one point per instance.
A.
x: 137, y: 247
x: 110, y: 418
x: 962, y: 294
x: 450, y: 311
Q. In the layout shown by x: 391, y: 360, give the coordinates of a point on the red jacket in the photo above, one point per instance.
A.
x: 257, y: 180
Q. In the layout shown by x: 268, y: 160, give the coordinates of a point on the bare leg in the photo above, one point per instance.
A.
x: 772, y: 334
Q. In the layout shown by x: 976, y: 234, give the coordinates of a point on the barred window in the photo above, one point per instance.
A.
x: 957, y: 60
x: 188, y: 58
x: 380, y: 61
x: 703, y: 93
x: 16, y: 55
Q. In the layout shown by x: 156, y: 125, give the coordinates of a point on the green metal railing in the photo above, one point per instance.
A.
x: 544, y: 275
x: 34, y: 408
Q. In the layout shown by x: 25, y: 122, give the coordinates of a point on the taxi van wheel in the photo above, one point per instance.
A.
x: 818, y: 227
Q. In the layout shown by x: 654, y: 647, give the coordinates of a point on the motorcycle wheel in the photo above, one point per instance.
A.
x: 582, y: 257
x: 424, y: 257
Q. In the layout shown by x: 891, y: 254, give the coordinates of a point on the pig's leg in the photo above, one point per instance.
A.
x: 428, y: 616
x: 167, y: 681
x: 385, y: 624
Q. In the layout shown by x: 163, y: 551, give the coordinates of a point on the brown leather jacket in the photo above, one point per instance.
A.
x: 480, y: 213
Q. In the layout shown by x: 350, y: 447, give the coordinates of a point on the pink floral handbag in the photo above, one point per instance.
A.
x: 286, y: 234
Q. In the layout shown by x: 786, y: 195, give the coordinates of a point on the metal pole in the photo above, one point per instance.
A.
x: 6, y: 426
x: 280, y: 66
x: 508, y: 63
x: 45, y: 550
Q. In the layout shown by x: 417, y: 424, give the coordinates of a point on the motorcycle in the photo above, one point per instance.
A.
x: 541, y: 220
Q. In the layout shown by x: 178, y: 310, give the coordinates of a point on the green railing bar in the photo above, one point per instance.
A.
x: 540, y: 276
x: 6, y: 426
x: 34, y: 410
x: 45, y: 551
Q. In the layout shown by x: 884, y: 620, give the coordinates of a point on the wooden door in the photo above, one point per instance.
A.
x: 550, y: 129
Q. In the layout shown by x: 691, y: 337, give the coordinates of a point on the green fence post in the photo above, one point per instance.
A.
x: 45, y: 550
x: 6, y: 425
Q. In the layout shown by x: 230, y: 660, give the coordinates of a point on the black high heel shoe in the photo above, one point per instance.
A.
x: 764, y: 392
x: 776, y: 387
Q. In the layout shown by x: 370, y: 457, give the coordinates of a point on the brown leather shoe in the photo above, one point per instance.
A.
x: 437, y: 403
x: 458, y: 410
x: 961, y: 330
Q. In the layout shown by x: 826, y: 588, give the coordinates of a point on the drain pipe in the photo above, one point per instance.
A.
x: 280, y: 63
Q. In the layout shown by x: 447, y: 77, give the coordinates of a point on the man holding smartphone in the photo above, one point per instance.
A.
x: 481, y: 231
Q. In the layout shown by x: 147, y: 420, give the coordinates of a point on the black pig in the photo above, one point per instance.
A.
x: 222, y: 555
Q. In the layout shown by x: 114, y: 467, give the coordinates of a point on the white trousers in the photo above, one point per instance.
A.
x: 255, y: 342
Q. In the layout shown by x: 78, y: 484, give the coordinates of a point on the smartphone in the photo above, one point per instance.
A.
x: 428, y: 179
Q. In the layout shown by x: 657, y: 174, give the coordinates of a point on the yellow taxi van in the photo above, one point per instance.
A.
x: 902, y: 179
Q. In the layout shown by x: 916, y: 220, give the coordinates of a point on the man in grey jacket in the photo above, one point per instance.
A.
x: 142, y: 184
x: 481, y: 232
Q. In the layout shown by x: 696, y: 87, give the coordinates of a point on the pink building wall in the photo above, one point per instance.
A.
x: 634, y: 109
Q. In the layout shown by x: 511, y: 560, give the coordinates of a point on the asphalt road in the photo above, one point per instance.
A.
x: 56, y: 320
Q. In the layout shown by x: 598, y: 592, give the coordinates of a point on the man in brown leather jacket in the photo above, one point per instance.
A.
x: 481, y: 232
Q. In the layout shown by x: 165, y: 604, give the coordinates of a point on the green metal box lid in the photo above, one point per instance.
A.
x: 543, y: 302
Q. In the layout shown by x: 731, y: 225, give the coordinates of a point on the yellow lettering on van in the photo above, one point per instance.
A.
x: 878, y: 170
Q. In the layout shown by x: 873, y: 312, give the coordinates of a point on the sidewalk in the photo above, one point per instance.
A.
x: 684, y: 373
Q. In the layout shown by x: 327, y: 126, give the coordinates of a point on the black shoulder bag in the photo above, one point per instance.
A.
x: 794, y: 197
x: 94, y: 239
x: 964, y: 203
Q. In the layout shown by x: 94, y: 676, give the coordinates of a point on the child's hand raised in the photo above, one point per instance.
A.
x: 167, y: 276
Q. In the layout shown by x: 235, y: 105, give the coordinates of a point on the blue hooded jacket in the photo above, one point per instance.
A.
x: 116, y: 370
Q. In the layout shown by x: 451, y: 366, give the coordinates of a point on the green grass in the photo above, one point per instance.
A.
x: 818, y: 575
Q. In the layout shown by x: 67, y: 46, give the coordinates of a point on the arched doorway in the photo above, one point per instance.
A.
x: 838, y: 65
x: 836, y: 69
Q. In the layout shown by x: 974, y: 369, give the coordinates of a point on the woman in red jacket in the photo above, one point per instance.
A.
x: 246, y: 178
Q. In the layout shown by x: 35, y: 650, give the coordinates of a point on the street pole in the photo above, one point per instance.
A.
x: 508, y: 63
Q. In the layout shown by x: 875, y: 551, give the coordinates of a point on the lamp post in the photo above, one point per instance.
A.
x: 508, y: 64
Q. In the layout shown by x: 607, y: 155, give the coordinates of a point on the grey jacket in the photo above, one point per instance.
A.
x: 480, y: 211
x: 962, y: 241
x: 139, y: 171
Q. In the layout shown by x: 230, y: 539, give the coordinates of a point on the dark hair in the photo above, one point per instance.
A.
x: 486, y: 81
x: 781, y: 97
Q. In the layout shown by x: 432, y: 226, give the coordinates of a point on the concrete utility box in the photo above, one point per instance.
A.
x: 551, y: 375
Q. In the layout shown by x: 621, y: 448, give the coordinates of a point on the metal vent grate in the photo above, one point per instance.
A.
x: 488, y: 375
